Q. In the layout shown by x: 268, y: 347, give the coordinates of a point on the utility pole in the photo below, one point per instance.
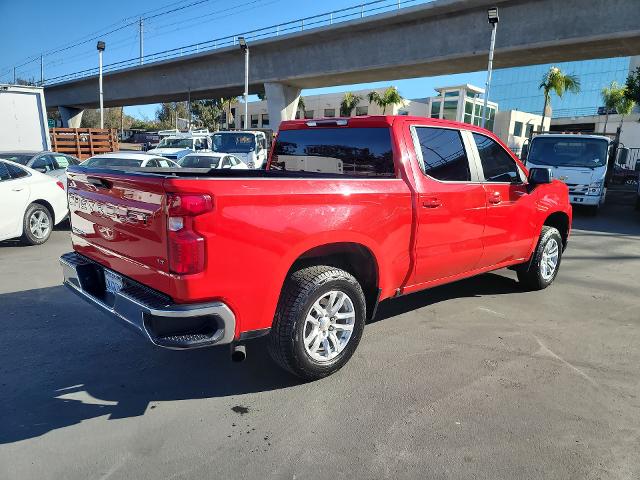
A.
x: 141, y: 25
x: 492, y: 16
x: 245, y: 48
x: 100, y: 47
x: 14, y: 75
x: 41, y: 71
x: 189, y: 107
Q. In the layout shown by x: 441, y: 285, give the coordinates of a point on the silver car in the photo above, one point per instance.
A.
x: 51, y: 163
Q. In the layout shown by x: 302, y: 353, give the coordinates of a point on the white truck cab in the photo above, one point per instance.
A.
x: 174, y: 144
x: 578, y: 160
x: 250, y: 146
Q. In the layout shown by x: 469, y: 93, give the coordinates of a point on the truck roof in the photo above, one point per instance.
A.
x: 576, y: 135
x: 376, y: 121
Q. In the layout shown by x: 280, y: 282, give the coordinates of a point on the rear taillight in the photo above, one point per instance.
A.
x: 60, y: 184
x: 186, y: 245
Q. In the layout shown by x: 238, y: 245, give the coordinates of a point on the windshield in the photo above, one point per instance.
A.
x: 199, y: 161
x: 234, y: 142
x: 22, y: 159
x: 112, y: 162
x: 175, y: 143
x: 568, y: 152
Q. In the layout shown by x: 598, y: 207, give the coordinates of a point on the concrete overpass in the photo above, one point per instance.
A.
x: 442, y: 37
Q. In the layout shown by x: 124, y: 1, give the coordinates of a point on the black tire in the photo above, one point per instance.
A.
x: 530, y: 274
x: 28, y: 237
x: 300, y: 292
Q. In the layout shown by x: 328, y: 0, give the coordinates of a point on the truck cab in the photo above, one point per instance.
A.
x: 578, y: 160
x: 177, y: 145
x: 250, y: 146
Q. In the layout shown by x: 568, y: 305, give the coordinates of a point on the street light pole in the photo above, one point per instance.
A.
x: 100, y: 47
x: 245, y: 48
x: 492, y: 16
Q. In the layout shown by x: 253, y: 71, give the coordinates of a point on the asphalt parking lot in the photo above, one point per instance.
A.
x: 474, y: 380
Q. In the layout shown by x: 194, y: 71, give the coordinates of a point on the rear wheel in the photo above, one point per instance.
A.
x: 543, y: 267
x: 318, y: 323
x: 37, y: 225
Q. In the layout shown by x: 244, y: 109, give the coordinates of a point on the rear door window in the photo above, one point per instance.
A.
x: 16, y: 172
x: 497, y: 164
x: 354, y: 152
x: 4, y: 172
x: 45, y: 161
x: 442, y: 154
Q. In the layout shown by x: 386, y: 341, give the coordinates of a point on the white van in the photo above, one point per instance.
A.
x: 174, y: 144
x: 580, y: 161
x: 250, y: 146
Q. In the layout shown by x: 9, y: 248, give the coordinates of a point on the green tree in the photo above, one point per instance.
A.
x: 557, y: 81
x: 208, y: 113
x: 632, y: 92
x: 227, y: 103
x: 113, y: 118
x: 611, y: 97
x: 625, y: 107
x: 390, y: 98
x: 301, y: 106
x: 168, y: 113
x: 349, y: 103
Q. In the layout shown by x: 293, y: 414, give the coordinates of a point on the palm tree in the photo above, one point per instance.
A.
x: 228, y: 101
x: 301, y: 106
x: 348, y: 104
x: 611, y: 97
x: 560, y: 83
x: 624, y: 107
x: 389, y: 98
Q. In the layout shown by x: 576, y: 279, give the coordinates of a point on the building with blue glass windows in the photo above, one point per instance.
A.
x: 518, y: 88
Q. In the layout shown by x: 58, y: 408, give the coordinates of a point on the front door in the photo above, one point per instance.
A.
x: 451, y: 205
x: 510, y: 208
x: 14, y: 192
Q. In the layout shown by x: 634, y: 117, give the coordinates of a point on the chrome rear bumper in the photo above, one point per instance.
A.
x: 154, y: 315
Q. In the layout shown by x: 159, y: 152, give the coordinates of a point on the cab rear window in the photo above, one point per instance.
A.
x: 353, y: 152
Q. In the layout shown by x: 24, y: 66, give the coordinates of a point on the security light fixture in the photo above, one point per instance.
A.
x: 492, y: 15
x: 242, y: 42
x: 101, y: 45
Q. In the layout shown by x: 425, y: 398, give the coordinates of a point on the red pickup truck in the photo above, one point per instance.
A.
x: 350, y: 211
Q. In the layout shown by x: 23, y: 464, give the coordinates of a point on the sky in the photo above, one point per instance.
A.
x: 66, y: 33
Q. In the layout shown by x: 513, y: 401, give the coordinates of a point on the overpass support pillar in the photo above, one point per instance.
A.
x: 282, y: 102
x: 71, y: 117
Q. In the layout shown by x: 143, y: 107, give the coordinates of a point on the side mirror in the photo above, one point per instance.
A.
x: 539, y: 176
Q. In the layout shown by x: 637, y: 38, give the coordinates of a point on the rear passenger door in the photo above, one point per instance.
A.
x: 451, y: 205
x: 510, y: 226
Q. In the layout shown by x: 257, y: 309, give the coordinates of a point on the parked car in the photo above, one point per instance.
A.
x: 211, y: 160
x: 349, y: 212
x: 31, y: 203
x: 129, y: 159
x: 51, y: 163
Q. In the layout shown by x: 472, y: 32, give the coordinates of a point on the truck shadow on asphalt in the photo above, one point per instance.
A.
x: 61, y: 362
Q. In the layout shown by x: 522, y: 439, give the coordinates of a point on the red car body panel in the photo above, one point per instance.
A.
x: 421, y: 232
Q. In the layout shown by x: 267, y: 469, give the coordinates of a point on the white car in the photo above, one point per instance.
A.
x: 212, y: 160
x: 31, y: 203
x: 129, y: 159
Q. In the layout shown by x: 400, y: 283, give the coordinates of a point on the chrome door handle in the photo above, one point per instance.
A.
x: 17, y: 189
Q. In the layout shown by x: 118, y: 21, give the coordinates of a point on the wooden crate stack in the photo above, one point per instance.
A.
x: 84, y: 142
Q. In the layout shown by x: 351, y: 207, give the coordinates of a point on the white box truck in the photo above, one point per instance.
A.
x: 23, y: 119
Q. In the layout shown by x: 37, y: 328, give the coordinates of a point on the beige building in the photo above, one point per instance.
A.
x: 514, y: 127
x: 325, y: 105
x: 629, y: 136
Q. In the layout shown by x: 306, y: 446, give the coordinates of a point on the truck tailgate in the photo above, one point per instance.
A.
x: 118, y: 220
